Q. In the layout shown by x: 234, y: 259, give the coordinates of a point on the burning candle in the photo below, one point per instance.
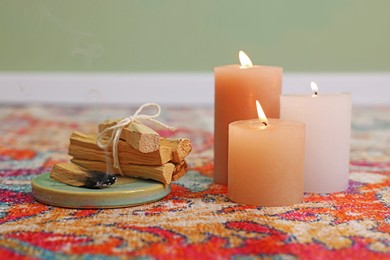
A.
x: 236, y: 89
x: 328, y: 130
x: 266, y: 159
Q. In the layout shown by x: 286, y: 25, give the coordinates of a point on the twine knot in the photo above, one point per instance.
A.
x: 116, y: 130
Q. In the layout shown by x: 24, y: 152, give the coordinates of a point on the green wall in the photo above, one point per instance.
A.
x: 193, y: 36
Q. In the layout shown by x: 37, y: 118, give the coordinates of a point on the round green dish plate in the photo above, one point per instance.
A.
x: 125, y: 192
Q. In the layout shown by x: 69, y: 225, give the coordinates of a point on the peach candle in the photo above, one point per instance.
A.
x: 328, y: 130
x: 236, y: 89
x: 266, y: 160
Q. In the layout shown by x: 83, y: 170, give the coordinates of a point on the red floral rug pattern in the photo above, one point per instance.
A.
x: 196, y: 220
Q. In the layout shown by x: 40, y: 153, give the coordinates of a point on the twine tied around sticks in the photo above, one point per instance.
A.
x: 116, y: 130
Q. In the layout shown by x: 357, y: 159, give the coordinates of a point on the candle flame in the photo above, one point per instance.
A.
x: 314, y: 87
x: 244, y: 60
x: 260, y: 112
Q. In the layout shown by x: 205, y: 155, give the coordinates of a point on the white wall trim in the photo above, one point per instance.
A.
x: 171, y: 88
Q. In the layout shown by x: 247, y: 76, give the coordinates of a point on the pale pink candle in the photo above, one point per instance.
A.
x: 266, y: 162
x: 328, y: 131
x: 236, y: 89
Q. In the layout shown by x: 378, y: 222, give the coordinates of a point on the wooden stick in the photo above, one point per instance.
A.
x: 180, y: 170
x: 181, y: 147
x: 84, y: 146
x: 141, y: 137
x: 161, y: 173
x: 75, y: 175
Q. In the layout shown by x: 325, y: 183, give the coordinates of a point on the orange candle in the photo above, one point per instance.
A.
x: 266, y: 162
x: 236, y: 89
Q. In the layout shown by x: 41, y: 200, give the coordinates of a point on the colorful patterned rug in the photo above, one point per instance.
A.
x: 196, y: 220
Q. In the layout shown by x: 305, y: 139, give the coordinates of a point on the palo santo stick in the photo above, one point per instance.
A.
x: 75, y: 175
x: 139, y: 136
x: 84, y: 146
x: 180, y: 170
x: 181, y: 147
x: 161, y: 173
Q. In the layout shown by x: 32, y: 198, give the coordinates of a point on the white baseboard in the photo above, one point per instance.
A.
x: 172, y: 88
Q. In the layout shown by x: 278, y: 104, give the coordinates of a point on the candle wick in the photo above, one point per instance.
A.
x: 264, y: 123
x: 316, y: 93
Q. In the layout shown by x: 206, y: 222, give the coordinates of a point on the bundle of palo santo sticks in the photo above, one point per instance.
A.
x: 141, y: 152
